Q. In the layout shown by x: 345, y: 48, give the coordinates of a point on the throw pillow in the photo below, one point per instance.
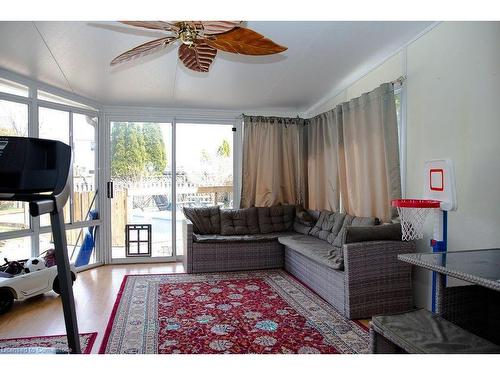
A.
x: 301, y: 228
x: 354, y: 221
x: 337, y: 253
x: 385, y: 232
x: 303, y: 216
x: 304, y: 221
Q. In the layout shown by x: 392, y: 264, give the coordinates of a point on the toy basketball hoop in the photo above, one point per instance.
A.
x: 413, y: 213
x: 439, y: 197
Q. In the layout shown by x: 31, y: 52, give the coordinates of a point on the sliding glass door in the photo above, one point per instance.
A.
x: 204, y: 169
x: 141, y: 204
x: 151, y: 183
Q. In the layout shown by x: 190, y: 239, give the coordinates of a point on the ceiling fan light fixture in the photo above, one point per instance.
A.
x: 187, y: 35
x: 201, y: 40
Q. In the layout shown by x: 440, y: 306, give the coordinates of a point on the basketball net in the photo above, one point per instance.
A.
x: 412, y: 222
x: 413, y: 213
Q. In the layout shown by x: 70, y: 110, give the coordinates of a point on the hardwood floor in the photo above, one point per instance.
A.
x: 95, y: 294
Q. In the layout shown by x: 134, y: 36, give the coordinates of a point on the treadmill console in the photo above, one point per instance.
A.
x: 33, y: 165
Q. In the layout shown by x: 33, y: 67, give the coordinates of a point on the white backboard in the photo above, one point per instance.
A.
x: 439, y: 183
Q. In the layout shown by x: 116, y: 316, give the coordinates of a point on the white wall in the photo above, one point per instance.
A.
x: 453, y: 110
x: 453, y: 104
x: 389, y: 70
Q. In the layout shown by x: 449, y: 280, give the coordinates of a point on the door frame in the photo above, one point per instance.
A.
x: 105, y: 155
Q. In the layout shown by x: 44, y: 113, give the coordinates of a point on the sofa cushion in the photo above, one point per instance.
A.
x: 328, y: 226
x: 311, y: 247
x: 276, y: 218
x: 385, y: 232
x: 206, y: 220
x: 337, y: 251
x: 242, y: 221
x: 211, y: 238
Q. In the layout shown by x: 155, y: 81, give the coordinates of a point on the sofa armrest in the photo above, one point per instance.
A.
x: 374, y: 259
x: 187, y: 241
x: 376, y: 282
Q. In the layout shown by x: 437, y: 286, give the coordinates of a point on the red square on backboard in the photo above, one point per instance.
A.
x: 436, y: 179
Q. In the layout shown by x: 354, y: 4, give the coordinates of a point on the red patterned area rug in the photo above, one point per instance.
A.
x: 230, y: 312
x: 56, y: 341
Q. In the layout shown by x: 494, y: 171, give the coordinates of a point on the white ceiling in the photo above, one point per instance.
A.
x: 75, y: 56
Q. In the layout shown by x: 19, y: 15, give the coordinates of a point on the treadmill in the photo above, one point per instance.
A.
x: 36, y: 171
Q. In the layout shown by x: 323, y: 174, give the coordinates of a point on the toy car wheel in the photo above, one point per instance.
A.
x: 6, y: 301
x: 56, y: 288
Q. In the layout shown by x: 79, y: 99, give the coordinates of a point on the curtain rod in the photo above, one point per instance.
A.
x: 399, y: 80
x: 277, y: 117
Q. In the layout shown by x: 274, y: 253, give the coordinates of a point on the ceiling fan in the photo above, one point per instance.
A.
x: 201, y: 40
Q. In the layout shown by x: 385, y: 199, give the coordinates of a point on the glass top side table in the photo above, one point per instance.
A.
x: 480, y: 267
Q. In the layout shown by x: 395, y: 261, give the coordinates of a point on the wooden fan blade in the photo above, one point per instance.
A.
x: 154, y: 25
x: 218, y: 27
x: 198, y: 57
x: 143, y: 49
x: 244, y: 41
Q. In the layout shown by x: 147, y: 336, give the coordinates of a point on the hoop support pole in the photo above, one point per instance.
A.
x: 439, y: 244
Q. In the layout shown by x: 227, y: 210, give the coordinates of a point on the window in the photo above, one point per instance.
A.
x: 14, y: 216
x: 13, y: 88
x: 13, y: 119
x: 81, y: 133
x: 61, y: 121
x: 42, y: 95
x: 13, y: 122
x: 75, y: 238
x: 84, y: 166
x: 205, y: 164
x: 54, y: 124
x: 15, y: 248
x: 397, y: 99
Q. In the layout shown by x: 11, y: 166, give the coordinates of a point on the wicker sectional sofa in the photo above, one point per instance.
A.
x: 351, y: 262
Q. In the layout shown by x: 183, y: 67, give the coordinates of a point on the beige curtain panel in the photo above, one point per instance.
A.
x: 272, y: 161
x: 322, y: 177
x: 346, y: 159
x: 369, y: 154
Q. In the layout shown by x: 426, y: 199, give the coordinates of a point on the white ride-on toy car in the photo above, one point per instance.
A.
x: 20, y: 280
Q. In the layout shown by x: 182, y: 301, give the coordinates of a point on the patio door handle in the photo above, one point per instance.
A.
x: 110, y: 189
